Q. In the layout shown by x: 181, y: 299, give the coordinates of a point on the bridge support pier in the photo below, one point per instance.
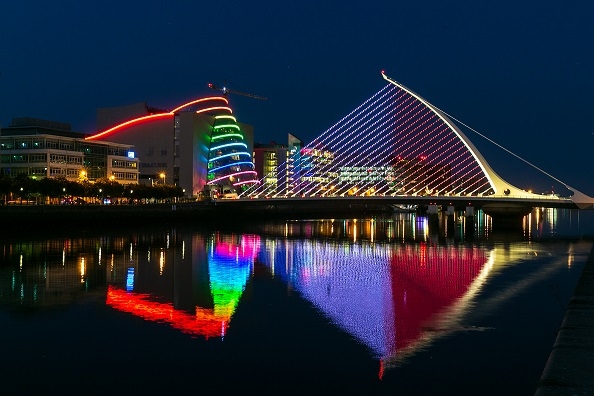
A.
x: 506, y: 217
x: 469, y: 222
x: 469, y: 211
x: 432, y: 209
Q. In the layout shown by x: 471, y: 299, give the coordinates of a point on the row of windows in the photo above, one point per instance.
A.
x: 65, y: 159
x: 39, y: 171
x: 125, y: 176
x: 40, y: 158
x: 123, y: 164
x: 69, y: 145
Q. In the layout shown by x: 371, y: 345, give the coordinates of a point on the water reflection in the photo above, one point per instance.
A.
x: 395, y: 285
x: 218, y: 283
x: 386, y: 296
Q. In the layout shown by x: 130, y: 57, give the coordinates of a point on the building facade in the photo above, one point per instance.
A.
x: 40, y: 148
x: 196, y: 146
x: 268, y: 160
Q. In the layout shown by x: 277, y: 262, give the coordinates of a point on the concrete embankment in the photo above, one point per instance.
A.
x: 570, y: 368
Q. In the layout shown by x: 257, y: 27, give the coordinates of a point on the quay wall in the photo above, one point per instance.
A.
x: 570, y: 367
x: 15, y: 217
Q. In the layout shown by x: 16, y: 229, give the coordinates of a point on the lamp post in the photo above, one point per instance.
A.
x: 162, y: 176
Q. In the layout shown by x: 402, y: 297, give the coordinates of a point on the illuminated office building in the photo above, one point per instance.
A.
x: 40, y: 148
x: 268, y: 159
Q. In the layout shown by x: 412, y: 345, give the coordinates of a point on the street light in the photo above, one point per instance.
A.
x: 162, y: 176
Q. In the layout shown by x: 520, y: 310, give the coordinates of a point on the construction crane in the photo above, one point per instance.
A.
x: 226, y: 91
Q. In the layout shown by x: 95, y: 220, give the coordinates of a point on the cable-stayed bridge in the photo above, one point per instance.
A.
x: 398, y: 148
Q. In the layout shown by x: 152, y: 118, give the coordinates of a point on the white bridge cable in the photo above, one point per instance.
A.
x: 358, y: 110
x: 345, y: 158
x: 503, y: 148
x: 354, y: 159
x: 385, y: 154
x: 351, y: 119
x: 343, y: 142
x: 338, y: 160
x: 390, y: 87
x: 367, y: 138
x: 458, y: 165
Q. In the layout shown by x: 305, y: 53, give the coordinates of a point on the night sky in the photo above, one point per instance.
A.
x: 519, y: 72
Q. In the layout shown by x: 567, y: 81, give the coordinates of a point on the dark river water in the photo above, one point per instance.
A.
x: 396, y: 305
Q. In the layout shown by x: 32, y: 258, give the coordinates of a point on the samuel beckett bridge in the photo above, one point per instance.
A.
x: 398, y: 149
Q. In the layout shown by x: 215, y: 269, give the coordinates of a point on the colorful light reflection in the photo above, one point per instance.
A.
x: 387, y: 297
x: 230, y: 264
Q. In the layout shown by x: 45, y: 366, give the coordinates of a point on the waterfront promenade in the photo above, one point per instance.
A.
x: 570, y: 367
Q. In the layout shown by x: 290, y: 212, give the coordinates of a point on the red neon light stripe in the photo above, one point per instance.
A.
x: 199, y: 101
x: 129, y: 123
x: 214, y: 108
x: 164, y: 115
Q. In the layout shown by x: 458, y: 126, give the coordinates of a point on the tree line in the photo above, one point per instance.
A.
x: 51, y: 190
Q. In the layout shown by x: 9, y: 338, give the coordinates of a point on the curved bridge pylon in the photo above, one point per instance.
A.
x: 395, y: 143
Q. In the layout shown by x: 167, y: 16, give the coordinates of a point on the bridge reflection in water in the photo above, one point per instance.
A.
x: 386, y: 296
x: 393, y: 284
x: 391, y: 297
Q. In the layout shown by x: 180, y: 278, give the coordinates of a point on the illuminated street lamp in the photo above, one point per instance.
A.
x: 162, y: 176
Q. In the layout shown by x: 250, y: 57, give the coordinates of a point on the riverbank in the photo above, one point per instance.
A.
x: 570, y: 367
x: 16, y: 218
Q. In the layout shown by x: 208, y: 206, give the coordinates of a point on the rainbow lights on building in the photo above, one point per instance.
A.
x: 229, y: 161
x: 198, y: 146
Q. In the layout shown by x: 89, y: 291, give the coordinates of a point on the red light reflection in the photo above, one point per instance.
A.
x: 205, y: 322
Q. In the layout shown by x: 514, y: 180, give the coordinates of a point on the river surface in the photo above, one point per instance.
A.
x: 403, y: 304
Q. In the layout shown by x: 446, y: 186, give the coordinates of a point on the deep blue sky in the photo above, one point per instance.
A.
x: 520, y: 72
